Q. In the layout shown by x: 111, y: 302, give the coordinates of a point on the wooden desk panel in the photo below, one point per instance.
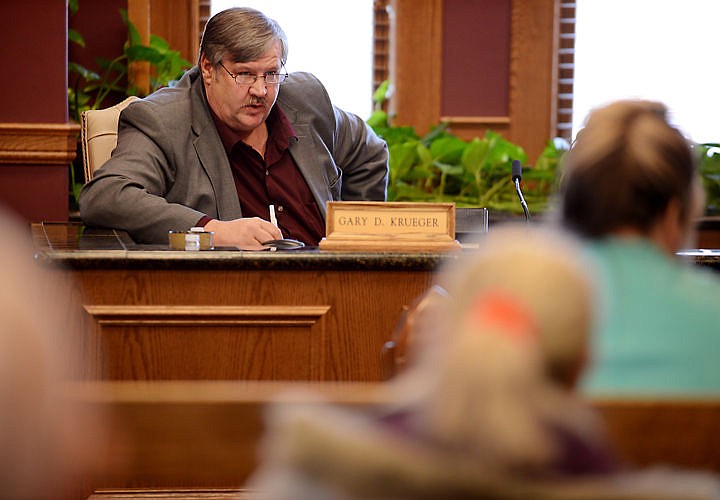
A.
x: 148, y: 313
x: 254, y: 325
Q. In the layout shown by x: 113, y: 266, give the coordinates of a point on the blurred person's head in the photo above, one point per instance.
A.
x: 45, y: 441
x: 486, y: 401
x: 511, y: 344
x: 630, y: 172
x: 540, y: 282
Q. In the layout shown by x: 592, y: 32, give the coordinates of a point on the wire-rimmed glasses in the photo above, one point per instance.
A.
x: 246, y: 79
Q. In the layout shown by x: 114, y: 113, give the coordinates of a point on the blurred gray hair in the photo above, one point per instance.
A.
x: 626, y: 165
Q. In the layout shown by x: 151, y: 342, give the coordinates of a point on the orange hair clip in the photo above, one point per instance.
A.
x: 501, y: 312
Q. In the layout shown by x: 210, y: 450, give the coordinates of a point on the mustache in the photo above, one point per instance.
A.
x: 257, y: 101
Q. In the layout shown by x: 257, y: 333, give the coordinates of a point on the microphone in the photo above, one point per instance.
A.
x: 517, y: 177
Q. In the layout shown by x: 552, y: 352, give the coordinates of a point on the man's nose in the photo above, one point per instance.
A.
x: 259, y: 86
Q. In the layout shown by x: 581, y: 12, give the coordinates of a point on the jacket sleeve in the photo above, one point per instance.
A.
x: 133, y: 190
x: 363, y: 158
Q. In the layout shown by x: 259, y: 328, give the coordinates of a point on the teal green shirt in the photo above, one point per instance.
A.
x: 659, y: 323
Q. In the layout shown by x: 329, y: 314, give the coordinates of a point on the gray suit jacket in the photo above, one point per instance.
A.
x: 170, y: 168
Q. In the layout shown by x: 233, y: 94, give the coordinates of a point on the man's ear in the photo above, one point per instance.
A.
x: 206, y: 69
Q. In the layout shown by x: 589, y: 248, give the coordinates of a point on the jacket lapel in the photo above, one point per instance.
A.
x: 305, y: 153
x: 211, y: 155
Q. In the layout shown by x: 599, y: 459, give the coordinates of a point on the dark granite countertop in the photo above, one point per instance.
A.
x: 76, y: 246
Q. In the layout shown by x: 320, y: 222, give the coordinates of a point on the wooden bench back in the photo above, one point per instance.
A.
x: 175, y: 438
x: 681, y: 432
x: 171, y: 436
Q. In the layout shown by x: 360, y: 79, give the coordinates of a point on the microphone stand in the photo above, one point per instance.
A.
x: 522, y: 199
x: 516, y: 176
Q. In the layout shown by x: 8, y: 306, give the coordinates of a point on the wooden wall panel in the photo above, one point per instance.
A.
x: 100, y: 24
x: 36, y: 142
x: 476, y: 58
x: 34, y: 163
x: 381, y: 42
x: 416, y: 71
x: 34, y: 51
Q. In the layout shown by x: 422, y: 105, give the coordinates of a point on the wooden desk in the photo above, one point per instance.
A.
x: 709, y: 232
x: 149, y: 313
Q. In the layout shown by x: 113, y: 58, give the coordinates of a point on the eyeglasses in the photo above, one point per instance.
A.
x: 246, y: 78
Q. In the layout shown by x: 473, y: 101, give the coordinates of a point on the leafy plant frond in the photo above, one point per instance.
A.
x: 442, y: 167
x: 89, y: 89
x: 75, y: 37
x: 708, y: 157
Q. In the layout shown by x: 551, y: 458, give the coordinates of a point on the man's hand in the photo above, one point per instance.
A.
x: 246, y: 233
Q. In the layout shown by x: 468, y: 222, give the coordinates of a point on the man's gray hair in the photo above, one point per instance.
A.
x: 243, y: 33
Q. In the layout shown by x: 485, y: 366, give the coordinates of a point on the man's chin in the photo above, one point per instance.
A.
x: 248, y: 123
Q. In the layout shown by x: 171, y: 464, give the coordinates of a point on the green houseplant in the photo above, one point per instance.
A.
x: 709, y: 166
x: 441, y: 167
x: 90, y: 89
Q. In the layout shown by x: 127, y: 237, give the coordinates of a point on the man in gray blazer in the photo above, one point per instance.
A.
x: 215, y: 151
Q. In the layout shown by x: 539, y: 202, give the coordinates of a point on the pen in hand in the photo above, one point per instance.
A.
x: 273, y: 217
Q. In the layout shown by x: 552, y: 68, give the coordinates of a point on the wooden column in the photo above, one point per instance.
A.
x: 178, y: 22
x: 139, y: 71
x: 415, y: 62
x: 533, y: 73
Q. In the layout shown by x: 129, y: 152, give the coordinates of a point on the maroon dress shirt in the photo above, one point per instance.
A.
x: 273, y: 180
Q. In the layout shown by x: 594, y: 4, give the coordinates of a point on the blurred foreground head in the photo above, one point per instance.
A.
x: 44, y: 441
x: 485, y: 406
x: 631, y: 172
x: 525, y: 287
x: 508, y: 347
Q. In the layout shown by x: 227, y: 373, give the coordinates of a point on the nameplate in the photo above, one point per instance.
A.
x: 389, y: 226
